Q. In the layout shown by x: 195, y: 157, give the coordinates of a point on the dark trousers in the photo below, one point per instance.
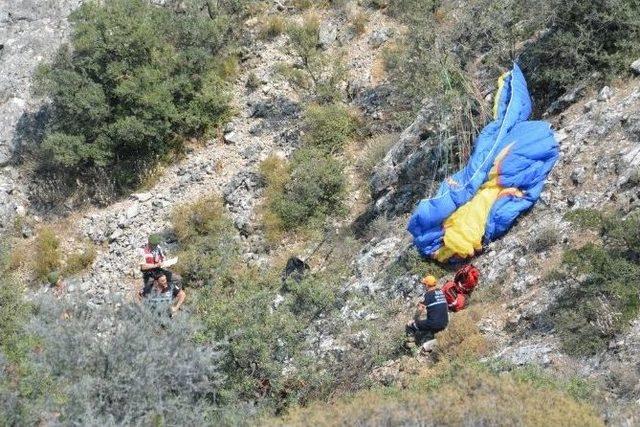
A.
x: 423, y: 331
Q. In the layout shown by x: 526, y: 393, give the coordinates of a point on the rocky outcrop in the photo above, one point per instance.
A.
x: 30, y: 32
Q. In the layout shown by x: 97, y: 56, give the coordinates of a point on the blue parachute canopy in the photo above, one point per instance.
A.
x: 503, y: 178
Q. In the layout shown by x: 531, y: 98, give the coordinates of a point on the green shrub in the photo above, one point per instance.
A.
x: 81, y: 260
x: 145, y: 371
x: 273, y: 27
x: 312, y: 189
x: 589, y: 218
x: 410, y: 262
x: 599, y: 299
x: 253, y: 81
x: 316, y: 73
x: 47, y: 250
x: 135, y: 81
x: 582, y: 38
x: 558, y: 44
x: 481, y: 398
x: 544, y: 239
x: 209, y: 250
x: 328, y: 127
x: 373, y: 153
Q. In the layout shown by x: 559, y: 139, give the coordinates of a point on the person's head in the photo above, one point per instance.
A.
x: 154, y: 240
x: 161, y: 279
x: 53, y: 278
x: 429, y: 282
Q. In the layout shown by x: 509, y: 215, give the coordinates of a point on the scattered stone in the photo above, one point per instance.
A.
x: 327, y: 35
x: 589, y: 106
x: 379, y: 37
x: 142, y: 197
x: 605, y: 94
x: 132, y: 212
x: 232, y: 138
x: 578, y: 175
x: 115, y: 235
x: 635, y: 66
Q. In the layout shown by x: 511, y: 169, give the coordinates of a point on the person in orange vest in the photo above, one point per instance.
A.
x: 437, y: 315
x: 458, y: 290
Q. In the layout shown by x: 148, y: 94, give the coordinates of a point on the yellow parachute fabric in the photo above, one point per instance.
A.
x: 464, y: 229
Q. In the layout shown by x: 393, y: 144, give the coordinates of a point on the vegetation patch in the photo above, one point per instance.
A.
x: 46, y: 257
x: 544, y: 239
x: 303, y: 192
x: 209, y: 249
x: 328, y: 127
x: 317, y: 74
x: 480, y: 396
x: 134, y: 82
x: 600, y: 296
x: 81, y: 259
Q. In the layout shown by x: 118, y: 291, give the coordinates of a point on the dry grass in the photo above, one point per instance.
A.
x: 272, y: 27
x: 462, y: 339
x: 201, y: 217
x: 81, y: 259
x: 46, y: 256
x: 373, y: 152
x: 458, y: 395
x: 275, y: 172
x: 359, y: 22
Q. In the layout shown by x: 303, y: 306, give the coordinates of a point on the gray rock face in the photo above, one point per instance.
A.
x: 379, y: 37
x: 411, y: 167
x: 635, y: 66
x: 328, y: 34
x: 31, y: 31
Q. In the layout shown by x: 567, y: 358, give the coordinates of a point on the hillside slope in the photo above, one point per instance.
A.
x: 364, y: 278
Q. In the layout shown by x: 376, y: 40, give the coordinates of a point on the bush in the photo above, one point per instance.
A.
x: 47, y: 256
x: 410, y: 262
x: 253, y: 81
x: 136, y: 80
x: 273, y: 27
x: 462, y: 339
x: 360, y: 21
x: 328, y: 127
x: 589, y: 218
x: 543, y: 240
x: 373, y: 153
x: 598, y: 301
x: 79, y: 261
x: 316, y: 73
x: 209, y: 250
x: 306, y: 192
x: 119, y: 365
x: 558, y: 44
x: 480, y: 397
x: 582, y: 38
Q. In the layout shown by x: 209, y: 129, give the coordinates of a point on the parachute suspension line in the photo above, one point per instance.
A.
x: 489, y: 154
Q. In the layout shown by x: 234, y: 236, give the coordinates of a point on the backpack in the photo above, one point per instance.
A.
x: 456, y: 300
x: 466, y: 278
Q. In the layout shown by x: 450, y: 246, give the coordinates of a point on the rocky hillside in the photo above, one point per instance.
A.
x: 514, y: 312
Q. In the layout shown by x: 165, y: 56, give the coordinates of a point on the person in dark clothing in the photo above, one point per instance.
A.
x: 435, y: 305
x: 160, y: 292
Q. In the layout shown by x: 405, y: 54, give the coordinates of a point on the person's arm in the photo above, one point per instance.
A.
x: 419, y: 311
x: 179, y: 300
x: 146, y: 266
